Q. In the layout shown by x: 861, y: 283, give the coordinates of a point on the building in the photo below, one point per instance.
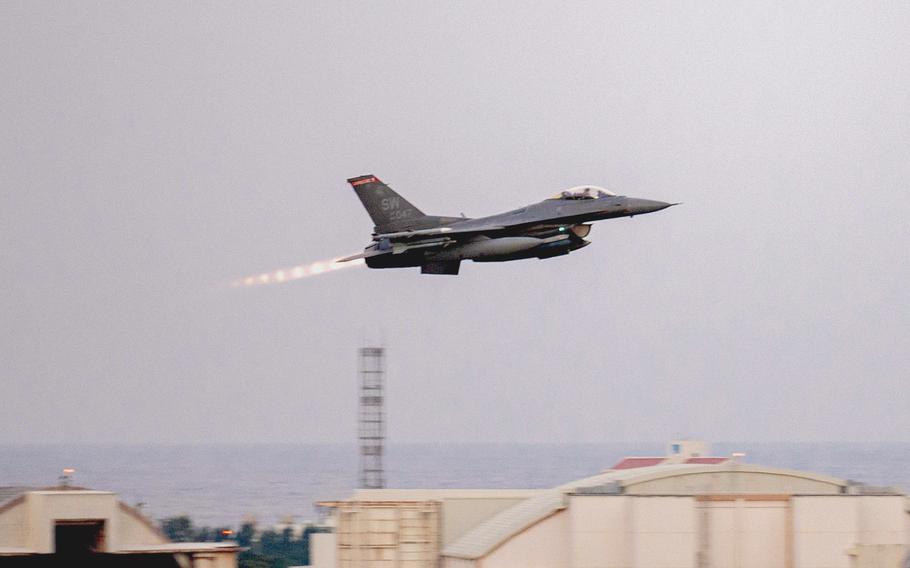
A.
x: 75, y: 526
x: 410, y: 527
x: 679, y: 512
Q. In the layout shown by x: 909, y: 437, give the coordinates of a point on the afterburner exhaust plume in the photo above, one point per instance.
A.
x: 283, y: 275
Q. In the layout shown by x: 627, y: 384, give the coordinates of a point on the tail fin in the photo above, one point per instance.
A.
x: 389, y: 211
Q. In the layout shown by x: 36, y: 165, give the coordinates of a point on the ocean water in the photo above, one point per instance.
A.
x: 225, y: 484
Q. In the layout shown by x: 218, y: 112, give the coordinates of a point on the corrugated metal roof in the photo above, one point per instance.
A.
x: 496, y: 530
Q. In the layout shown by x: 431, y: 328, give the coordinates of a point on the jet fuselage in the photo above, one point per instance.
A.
x: 405, y: 237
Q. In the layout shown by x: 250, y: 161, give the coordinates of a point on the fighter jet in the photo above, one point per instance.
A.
x: 404, y: 236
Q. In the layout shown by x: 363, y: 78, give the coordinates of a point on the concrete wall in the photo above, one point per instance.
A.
x: 214, y: 560
x: 135, y: 531
x: 322, y: 550
x: 388, y: 535
x: 621, y: 531
x: 739, y: 533
x: 848, y: 531
x: 373, y: 531
x: 880, y: 520
x: 600, y: 529
x: 663, y: 532
x: 542, y: 545
x: 44, y: 508
x: 123, y: 528
x: 30, y: 525
x: 836, y: 531
x: 13, y: 533
x: 824, y: 531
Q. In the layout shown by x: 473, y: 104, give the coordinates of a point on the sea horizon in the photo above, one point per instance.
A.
x: 227, y: 483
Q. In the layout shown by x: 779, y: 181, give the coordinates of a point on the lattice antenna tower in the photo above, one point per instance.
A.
x: 371, y: 428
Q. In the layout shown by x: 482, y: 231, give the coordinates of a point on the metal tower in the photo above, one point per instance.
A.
x: 371, y: 420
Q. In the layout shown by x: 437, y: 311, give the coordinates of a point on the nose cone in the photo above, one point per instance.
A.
x: 635, y: 206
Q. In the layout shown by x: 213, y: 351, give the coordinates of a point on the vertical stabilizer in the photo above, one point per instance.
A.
x: 389, y: 211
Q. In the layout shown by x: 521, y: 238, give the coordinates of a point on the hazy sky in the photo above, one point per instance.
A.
x: 152, y: 151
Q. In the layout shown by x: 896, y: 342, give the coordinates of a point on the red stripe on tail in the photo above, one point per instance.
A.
x: 363, y: 181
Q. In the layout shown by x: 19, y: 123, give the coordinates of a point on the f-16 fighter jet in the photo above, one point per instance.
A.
x: 404, y: 236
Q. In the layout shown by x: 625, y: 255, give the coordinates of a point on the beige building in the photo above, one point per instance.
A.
x: 681, y: 512
x: 409, y: 527
x: 74, y: 526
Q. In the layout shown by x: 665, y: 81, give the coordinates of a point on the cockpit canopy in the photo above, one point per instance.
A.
x: 583, y: 192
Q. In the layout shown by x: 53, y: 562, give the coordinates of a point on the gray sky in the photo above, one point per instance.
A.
x: 150, y: 152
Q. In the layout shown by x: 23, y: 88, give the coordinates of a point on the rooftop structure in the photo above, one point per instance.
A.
x: 678, y: 451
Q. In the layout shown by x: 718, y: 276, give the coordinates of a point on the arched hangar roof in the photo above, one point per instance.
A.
x: 631, y: 478
x: 495, y: 531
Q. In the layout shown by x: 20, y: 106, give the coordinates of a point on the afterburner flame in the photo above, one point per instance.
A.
x: 295, y: 272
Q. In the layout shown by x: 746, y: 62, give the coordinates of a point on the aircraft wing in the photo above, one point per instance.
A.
x: 438, y: 231
x: 399, y: 242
